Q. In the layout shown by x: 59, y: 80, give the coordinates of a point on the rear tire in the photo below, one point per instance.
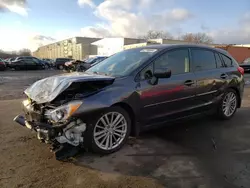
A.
x: 46, y: 66
x: 228, y: 105
x: 108, y: 131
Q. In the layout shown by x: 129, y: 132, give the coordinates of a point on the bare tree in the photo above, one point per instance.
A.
x: 24, y: 52
x: 153, y: 34
x: 197, y: 38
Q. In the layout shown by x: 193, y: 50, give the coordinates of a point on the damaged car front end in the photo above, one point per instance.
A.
x: 51, y: 110
x: 96, y: 110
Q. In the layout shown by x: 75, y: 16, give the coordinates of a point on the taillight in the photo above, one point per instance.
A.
x: 241, y: 70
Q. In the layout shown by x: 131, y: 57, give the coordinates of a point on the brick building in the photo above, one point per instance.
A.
x: 238, y: 52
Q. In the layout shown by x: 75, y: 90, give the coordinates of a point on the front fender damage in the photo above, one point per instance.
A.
x: 51, y: 93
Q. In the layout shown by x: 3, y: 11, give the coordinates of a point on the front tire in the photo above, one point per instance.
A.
x: 228, y: 105
x: 109, y: 131
x: 60, y: 67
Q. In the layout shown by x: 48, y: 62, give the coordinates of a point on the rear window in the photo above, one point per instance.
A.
x: 23, y: 58
x: 218, y: 60
x: 90, y: 60
x: 228, y: 62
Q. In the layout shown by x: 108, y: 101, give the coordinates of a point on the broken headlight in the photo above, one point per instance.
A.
x: 62, y: 113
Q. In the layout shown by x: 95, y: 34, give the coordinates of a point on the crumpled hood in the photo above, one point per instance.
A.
x: 47, y: 89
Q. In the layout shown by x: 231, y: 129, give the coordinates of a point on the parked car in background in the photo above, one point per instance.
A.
x: 132, y: 91
x: 71, y: 66
x: 94, y: 60
x: 59, y: 63
x: 50, y: 61
x: 46, y: 64
x: 47, y: 59
x: 8, y: 61
x: 12, y: 59
x: 2, y: 65
x: 87, y: 63
x: 25, y: 63
x: 246, y: 65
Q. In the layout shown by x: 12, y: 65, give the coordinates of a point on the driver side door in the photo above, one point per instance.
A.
x: 172, y: 97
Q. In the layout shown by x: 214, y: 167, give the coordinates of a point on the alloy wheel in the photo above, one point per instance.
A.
x: 229, y: 104
x: 110, y: 130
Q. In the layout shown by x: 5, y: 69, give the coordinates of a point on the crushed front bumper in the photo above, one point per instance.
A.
x: 56, y: 136
x: 45, y: 132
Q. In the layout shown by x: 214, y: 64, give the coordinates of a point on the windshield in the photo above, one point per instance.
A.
x: 99, y: 60
x: 122, y: 63
x: 89, y: 60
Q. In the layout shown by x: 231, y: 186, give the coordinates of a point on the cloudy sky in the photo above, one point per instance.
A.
x: 31, y: 23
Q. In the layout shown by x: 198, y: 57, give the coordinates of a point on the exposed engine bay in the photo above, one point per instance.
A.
x: 50, y: 107
x: 79, y: 90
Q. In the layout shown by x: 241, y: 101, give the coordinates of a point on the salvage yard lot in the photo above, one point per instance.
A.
x: 199, y: 153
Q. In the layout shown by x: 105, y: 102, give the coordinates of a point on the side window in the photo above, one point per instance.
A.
x: 203, y: 59
x: 29, y: 61
x: 177, y: 61
x: 35, y: 60
x: 218, y: 60
x: 228, y: 62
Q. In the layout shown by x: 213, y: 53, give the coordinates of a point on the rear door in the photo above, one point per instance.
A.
x: 231, y: 74
x: 30, y: 64
x: 208, y: 69
x: 19, y: 63
x: 38, y: 63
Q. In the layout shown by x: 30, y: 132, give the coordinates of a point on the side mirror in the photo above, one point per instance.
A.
x: 162, y: 73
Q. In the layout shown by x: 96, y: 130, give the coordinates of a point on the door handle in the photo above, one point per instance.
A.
x: 189, y: 82
x: 223, y: 76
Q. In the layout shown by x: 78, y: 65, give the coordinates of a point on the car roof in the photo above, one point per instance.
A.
x: 24, y: 56
x: 63, y: 58
x: 170, y: 46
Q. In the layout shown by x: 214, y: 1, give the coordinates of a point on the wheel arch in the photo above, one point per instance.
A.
x: 238, y: 95
x: 131, y: 113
